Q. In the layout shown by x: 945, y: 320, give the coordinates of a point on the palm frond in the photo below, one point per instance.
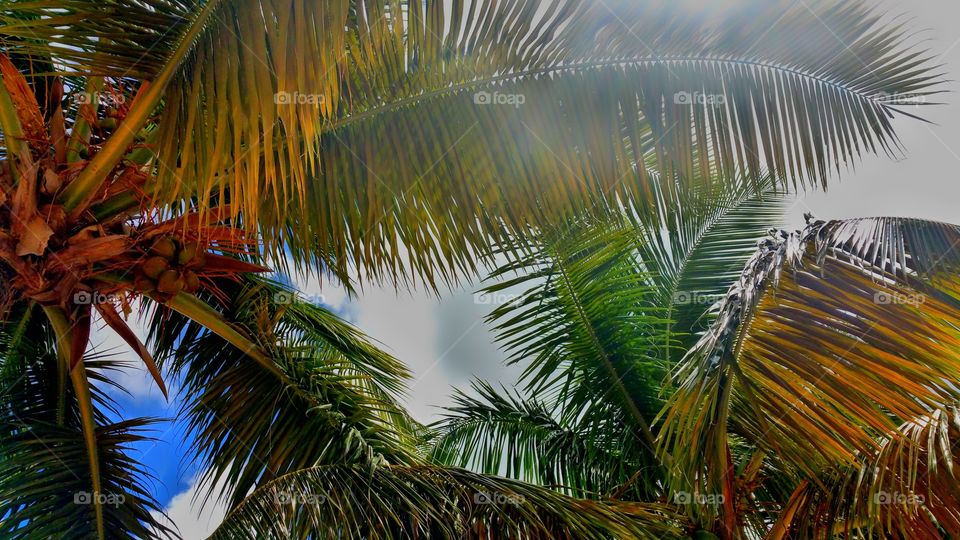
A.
x: 503, y: 434
x: 45, y: 483
x: 916, y: 477
x: 700, y: 250
x: 332, y: 402
x: 830, y: 339
x: 585, y: 326
x: 344, y: 501
x: 125, y: 38
x: 701, y: 247
x: 333, y: 127
x: 908, y: 489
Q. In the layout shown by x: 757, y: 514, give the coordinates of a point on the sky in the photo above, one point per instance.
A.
x: 445, y: 343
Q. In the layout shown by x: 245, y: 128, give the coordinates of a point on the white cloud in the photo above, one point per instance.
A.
x: 193, y: 515
x: 400, y: 322
x: 443, y: 341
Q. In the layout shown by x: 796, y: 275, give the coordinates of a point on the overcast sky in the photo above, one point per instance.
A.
x: 446, y: 344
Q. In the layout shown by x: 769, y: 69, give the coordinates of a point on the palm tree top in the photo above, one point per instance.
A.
x: 340, y: 160
x: 161, y: 153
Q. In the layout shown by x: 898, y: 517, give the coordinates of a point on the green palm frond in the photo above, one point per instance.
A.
x: 344, y: 501
x: 331, y: 398
x: 585, y: 326
x: 699, y: 250
x: 333, y: 128
x: 123, y: 38
x: 45, y: 482
x: 621, y: 269
x: 519, y: 438
x: 830, y: 339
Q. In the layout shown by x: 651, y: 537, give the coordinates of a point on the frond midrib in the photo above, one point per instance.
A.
x: 708, y: 226
x: 583, y: 66
x: 649, y: 439
x: 462, y: 427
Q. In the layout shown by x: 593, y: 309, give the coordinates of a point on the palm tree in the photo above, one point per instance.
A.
x: 817, y: 400
x: 159, y: 154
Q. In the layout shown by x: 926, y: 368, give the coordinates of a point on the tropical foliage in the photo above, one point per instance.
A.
x: 157, y: 155
x: 819, y: 402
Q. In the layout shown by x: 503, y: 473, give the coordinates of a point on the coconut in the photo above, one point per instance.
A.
x: 192, y: 281
x: 187, y: 254
x: 165, y: 247
x: 169, y: 282
x: 143, y: 284
x: 154, y: 266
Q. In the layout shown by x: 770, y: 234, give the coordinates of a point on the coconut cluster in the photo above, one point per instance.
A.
x: 170, y: 267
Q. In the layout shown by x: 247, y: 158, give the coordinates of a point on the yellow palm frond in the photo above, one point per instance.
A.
x: 908, y: 489
x: 335, y: 128
x: 831, y: 338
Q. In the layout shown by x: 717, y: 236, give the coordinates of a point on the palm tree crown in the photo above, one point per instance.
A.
x: 157, y: 155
